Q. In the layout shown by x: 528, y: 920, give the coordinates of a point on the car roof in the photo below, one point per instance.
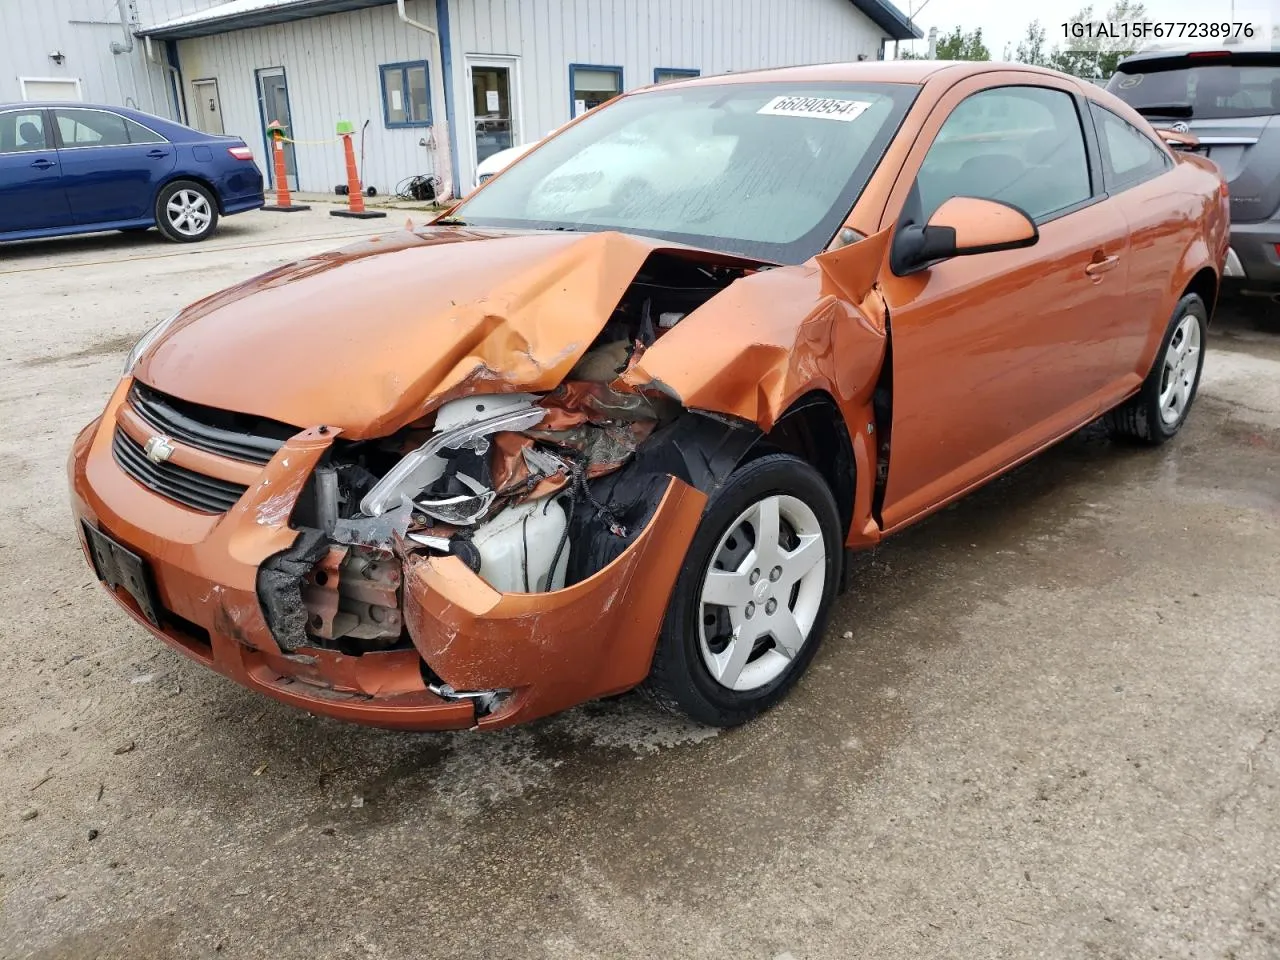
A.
x: 78, y: 105
x: 866, y: 71
x: 172, y: 130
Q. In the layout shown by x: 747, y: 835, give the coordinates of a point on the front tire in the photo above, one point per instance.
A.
x: 1158, y: 410
x: 186, y: 211
x: 751, y: 603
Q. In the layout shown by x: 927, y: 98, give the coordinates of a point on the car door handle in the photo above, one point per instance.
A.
x: 157, y: 154
x: 1099, y: 267
x: 42, y: 164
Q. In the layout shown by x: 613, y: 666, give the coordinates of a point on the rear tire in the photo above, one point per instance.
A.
x: 750, y: 606
x: 186, y: 211
x: 1160, y: 407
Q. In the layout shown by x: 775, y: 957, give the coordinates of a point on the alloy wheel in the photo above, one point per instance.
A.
x: 763, y: 592
x: 188, y: 212
x: 1181, y: 366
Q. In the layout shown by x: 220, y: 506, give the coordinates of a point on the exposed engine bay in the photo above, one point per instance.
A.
x: 533, y: 492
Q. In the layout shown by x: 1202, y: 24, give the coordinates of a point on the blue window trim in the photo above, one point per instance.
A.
x: 446, y: 55
x: 575, y: 67
x: 678, y: 73
x: 403, y: 67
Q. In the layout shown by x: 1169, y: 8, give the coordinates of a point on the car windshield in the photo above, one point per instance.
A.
x: 1210, y: 92
x: 765, y: 170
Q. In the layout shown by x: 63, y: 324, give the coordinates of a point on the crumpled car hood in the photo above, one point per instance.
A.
x: 371, y: 337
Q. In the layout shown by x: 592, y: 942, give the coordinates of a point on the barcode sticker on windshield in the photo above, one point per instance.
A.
x: 822, y: 108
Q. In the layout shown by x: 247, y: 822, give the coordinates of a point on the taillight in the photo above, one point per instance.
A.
x: 240, y: 153
x: 1209, y: 55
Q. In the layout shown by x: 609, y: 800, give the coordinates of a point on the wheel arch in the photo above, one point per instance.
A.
x: 814, y: 430
x: 1205, y: 283
x: 192, y: 178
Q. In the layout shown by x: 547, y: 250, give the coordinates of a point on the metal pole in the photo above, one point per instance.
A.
x: 443, y: 164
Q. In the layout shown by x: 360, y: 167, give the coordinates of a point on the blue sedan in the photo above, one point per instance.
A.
x: 76, y: 168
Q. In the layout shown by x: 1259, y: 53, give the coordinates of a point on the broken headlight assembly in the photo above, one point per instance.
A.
x: 464, y: 508
x: 460, y: 425
x: 145, y: 342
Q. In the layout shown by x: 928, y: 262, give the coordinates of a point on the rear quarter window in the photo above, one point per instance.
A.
x: 1129, y: 156
x: 100, y: 128
x: 90, y: 128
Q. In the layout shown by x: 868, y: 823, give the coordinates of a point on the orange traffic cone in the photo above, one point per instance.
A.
x: 284, y: 203
x: 355, y: 195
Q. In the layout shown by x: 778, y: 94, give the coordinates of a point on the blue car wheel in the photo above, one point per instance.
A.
x: 186, y: 211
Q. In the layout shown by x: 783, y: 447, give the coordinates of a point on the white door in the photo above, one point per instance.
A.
x: 206, y: 107
x: 494, y: 107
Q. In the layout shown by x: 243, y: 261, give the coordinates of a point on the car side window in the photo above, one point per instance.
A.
x: 1129, y: 157
x: 1020, y: 145
x: 91, y: 128
x: 22, y: 131
x: 140, y: 134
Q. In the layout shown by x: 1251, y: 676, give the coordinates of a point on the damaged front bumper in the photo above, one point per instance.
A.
x: 547, y: 651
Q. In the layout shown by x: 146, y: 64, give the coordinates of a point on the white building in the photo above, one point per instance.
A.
x: 436, y: 85
x: 86, y: 50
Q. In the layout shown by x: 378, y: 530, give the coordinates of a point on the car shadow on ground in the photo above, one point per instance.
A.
x: 1253, y: 312
x: 115, y: 243
x: 903, y: 607
x: 323, y: 764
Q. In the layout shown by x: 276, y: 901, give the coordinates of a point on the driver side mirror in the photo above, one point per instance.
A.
x: 961, y: 227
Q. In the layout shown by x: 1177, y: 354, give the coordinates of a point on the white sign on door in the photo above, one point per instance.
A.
x: 491, y: 100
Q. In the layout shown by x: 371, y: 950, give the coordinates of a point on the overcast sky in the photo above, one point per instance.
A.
x: 1005, y: 21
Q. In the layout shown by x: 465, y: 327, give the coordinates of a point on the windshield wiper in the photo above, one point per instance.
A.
x: 451, y: 222
x: 1167, y: 110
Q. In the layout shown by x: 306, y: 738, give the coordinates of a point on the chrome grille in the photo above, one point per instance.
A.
x: 238, y: 436
x: 191, y: 489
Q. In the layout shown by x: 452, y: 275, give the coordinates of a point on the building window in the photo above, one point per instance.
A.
x: 50, y: 88
x: 667, y: 74
x: 591, y: 86
x: 406, y: 97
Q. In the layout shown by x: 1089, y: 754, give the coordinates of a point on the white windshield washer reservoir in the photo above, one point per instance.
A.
x: 524, y: 538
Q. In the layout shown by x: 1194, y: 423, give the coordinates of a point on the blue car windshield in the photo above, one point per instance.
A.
x: 764, y: 170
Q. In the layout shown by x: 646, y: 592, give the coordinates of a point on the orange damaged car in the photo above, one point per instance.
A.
x: 619, y: 418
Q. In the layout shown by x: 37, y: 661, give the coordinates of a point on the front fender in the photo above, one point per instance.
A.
x: 763, y: 343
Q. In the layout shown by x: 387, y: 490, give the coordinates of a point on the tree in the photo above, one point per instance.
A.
x: 1090, y: 58
x: 1031, y: 48
x: 1097, y: 58
x: 957, y: 45
x: 963, y: 46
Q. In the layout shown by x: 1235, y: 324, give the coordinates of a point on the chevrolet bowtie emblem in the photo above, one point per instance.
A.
x: 158, y: 449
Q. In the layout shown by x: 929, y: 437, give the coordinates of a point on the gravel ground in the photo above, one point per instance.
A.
x: 1055, y: 731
